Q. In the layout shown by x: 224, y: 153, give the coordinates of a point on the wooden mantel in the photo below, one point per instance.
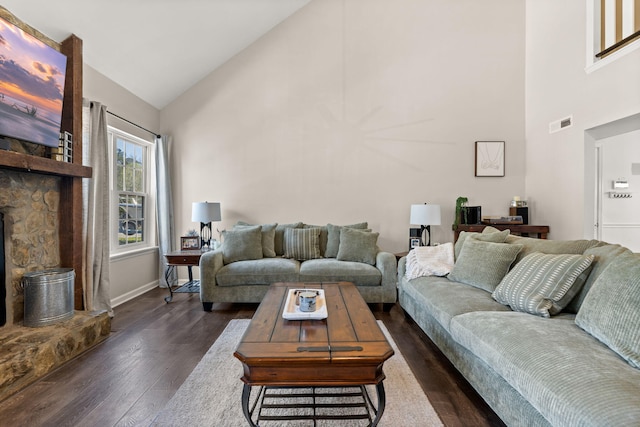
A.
x: 26, y: 163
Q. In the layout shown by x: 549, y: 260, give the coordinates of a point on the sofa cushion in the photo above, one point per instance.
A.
x: 332, y: 270
x: 483, y: 264
x: 530, y: 245
x: 258, y: 272
x: 268, y: 238
x: 604, y: 255
x: 242, y: 244
x: 564, y: 373
x: 489, y: 234
x: 543, y: 284
x: 358, y: 246
x: 302, y: 243
x: 444, y: 299
x: 333, y: 237
x: 611, y: 310
x: 323, y: 236
x: 278, y: 238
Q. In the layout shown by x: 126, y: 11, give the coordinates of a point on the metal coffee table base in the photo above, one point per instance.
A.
x: 313, y: 403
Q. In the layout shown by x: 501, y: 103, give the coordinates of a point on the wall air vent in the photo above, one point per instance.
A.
x: 561, y: 124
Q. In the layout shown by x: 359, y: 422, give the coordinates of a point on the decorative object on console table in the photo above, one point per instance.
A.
x: 489, y: 158
x: 471, y: 214
x: 425, y: 216
x: 205, y: 213
x: 519, y: 208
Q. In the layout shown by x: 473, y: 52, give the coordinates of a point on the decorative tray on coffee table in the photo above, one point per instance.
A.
x: 292, y: 308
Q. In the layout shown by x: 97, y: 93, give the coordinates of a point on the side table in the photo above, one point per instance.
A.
x: 175, y: 259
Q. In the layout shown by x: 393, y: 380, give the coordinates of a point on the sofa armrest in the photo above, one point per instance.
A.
x: 402, y: 267
x: 210, y: 263
x: 386, y: 263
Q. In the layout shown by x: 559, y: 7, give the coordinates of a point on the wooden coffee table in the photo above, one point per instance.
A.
x: 347, y: 349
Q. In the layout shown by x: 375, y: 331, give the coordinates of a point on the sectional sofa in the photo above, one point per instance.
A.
x: 547, y: 332
x: 254, y: 256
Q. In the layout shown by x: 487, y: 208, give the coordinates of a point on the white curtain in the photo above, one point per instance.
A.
x: 164, y: 202
x: 95, y: 210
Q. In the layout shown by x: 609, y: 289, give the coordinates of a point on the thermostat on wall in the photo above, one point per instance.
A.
x: 620, y: 183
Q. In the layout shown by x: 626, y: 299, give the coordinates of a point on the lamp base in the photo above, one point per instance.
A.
x: 426, y: 228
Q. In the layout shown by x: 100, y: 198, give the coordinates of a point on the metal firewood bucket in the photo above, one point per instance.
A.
x: 48, y: 296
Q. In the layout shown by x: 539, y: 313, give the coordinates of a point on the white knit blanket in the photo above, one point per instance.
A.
x: 430, y: 261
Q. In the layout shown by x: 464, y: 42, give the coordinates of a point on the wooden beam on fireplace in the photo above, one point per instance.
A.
x: 71, y: 226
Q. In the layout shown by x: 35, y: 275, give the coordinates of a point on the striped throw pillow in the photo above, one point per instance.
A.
x: 302, y: 243
x: 543, y: 284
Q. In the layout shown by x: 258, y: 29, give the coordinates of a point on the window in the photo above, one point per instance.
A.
x: 131, y: 201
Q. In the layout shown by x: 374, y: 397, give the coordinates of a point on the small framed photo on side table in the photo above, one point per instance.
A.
x: 189, y: 242
x: 414, y: 242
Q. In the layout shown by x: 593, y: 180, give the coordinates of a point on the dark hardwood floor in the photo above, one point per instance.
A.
x: 154, y: 346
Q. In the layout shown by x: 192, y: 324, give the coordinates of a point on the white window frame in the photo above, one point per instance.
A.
x: 593, y: 41
x: 149, y: 214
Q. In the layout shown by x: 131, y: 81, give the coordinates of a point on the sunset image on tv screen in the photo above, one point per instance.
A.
x: 31, y: 87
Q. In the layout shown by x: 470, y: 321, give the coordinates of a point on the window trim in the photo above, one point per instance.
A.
x: 149, y: 213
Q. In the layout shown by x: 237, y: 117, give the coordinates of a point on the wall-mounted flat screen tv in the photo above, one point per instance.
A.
x: 31, y: 87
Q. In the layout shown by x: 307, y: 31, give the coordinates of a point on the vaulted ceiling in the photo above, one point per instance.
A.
x: 157, y: 49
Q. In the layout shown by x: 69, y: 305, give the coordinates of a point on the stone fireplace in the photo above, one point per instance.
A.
x: 30, y: 208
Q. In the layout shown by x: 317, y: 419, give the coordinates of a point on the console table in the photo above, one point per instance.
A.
x: 188, y: 258
x: 538, y: 231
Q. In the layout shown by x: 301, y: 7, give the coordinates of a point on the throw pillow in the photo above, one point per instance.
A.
x: 333, y: 237
x: 242, y: 244
x: 604, y: 255
x: 611, y: 310
x: 268, y: 238
x: 358, y: 246
x: 489, y: 234
x: 429, y: 261
x: 483, y: 264
x: 543, y: 284
x: 302, y: 243
x: 278, y: 240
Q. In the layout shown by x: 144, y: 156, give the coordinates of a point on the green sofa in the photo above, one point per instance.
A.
x: 254, y: 256
x: 567, y: 354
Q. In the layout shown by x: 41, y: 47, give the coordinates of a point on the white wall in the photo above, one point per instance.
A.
x: 354, y: 110
x: 620, y: 218
x: 134, y: 274
x: 558, y: 86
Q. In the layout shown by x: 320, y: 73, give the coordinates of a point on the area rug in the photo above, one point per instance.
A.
x: 192, y: 287
x: 210, y: 396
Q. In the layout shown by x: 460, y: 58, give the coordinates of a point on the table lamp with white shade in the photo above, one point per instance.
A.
x: 205, y: 213
x: 425, y: 216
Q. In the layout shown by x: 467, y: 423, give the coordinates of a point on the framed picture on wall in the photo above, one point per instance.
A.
x: 489, y: 158
x: 189, y: 242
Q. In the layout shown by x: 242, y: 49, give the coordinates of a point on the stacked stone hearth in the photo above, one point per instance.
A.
x: 30, y: 204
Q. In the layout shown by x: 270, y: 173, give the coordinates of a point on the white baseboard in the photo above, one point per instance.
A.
x: 134, y: 293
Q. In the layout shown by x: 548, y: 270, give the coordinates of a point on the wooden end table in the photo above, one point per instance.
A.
x: 188, y: 258
x: 347, y: 349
